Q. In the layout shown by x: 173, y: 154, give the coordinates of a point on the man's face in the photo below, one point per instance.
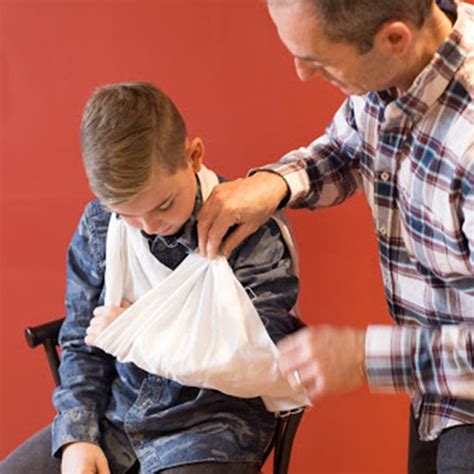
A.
x: 342, y: 64
x: 166, y: 205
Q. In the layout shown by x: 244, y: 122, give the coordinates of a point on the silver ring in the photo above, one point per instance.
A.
x: 297, y: 377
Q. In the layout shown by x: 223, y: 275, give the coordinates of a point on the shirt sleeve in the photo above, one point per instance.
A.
x: 262, y: 264
x: 86, y: 373
x: 326, y: 172
x: 434, y: 361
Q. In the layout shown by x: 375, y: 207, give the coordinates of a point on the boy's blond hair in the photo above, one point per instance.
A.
x: 127, y: 129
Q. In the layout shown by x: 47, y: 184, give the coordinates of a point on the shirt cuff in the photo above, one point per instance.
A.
x: 388, y: 363
x: 295, y: 176
x: 74, y: 425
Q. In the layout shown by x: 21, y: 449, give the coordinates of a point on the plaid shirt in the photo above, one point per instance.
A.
x: 413, y: 155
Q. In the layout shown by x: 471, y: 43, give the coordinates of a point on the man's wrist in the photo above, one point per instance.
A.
x: 279, y: 185
x: 361, y: 355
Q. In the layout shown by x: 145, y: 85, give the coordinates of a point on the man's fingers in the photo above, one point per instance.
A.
x: 291, y: 360
x: 238, y: 235
x: 102, y: 465
x: 309, y: 376
x: 205, y: 218
x: 295, y: 341
x: 216, y: 233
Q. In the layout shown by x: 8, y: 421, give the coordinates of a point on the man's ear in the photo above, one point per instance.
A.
x: 195, y: 152
x: 395, y: 38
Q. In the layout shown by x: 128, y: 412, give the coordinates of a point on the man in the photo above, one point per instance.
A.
x: 406, y: 135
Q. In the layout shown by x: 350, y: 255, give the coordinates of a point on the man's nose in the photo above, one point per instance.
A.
x: 305, y: 70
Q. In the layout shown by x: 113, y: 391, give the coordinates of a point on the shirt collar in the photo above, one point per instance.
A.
x: 432, y: 82
x: 449, y: 6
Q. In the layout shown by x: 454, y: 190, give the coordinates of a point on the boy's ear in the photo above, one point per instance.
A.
x: 195, y: 152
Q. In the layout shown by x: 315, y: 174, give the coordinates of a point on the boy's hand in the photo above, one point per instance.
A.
x: 84, y: 458
x: 103, y: 316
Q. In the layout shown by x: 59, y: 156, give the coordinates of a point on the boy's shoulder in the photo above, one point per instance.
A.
x: 95, y: 220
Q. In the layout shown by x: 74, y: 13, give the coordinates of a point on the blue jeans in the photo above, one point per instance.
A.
x: 451, y: 453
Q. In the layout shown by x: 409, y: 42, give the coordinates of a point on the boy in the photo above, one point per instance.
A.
x: 116, y: 417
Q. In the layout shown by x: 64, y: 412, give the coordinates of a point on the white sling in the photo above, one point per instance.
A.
x: 195, y: 325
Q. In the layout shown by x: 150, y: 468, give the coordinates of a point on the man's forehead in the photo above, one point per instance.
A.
x: 283, y: 8
x: 304, y: 4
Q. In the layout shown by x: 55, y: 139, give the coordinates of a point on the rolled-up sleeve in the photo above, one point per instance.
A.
x: 326, y: 172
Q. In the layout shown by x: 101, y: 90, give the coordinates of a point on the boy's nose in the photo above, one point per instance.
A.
x: 151, y: 226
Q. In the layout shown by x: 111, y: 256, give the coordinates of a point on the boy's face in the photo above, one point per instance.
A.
x: 169, y: 202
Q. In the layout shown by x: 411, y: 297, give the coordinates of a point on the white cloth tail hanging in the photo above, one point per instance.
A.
x: 195, y: 325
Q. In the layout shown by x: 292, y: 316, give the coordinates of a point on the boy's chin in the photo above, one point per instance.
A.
x: 170, y: 231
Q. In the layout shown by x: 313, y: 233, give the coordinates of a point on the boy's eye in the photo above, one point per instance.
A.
x: 166, y: 206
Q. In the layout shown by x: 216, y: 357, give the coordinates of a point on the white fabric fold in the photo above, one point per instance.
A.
x: 195, y: 325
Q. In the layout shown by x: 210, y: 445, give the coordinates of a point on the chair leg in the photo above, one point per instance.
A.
x: 284, y: 443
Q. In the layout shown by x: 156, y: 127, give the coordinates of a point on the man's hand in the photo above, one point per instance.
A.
x: 324, y: 359
x: 247, y: 203
x: 83, y: 458
x: 103, y: 316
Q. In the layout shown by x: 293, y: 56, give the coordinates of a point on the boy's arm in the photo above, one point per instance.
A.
x: 262, y: 265
x: 86, y: 373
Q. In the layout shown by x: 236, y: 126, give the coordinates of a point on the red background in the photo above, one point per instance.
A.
x: 222, y: 63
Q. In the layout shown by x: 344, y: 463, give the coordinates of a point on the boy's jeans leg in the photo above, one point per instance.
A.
x: 34, y: 455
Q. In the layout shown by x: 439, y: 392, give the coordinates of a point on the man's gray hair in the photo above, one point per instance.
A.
x: 357, y: 21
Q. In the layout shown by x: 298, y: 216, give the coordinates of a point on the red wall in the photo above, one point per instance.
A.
x: 234, y: 82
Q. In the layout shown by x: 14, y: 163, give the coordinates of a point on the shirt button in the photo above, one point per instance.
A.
x: 385, y: 176
x: 382, y: 230
x: 161, y: 247
x: 417, y: 118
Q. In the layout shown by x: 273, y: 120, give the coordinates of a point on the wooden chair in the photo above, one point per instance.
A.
x: 281, y: 444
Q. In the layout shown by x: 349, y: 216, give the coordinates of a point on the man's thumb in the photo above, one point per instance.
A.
x: 102, y: 465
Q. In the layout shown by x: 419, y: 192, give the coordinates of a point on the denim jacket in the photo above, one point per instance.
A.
x: 134, y: 415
